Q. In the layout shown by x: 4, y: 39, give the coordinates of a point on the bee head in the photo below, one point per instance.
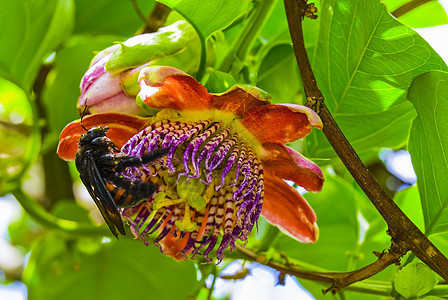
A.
x: 92, y: 134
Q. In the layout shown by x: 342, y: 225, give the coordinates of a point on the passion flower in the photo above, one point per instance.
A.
x: 225, y: 165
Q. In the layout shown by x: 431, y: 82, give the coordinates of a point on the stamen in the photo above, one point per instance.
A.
x: 193, y: 148
x: 211, y: 240
x: 211, y: 146
x: 143, y: 141
x: 181, y: 138
x: 130, y: 144
x: 221, y: 152
x: 232, y: 158
x: 197, y: 143
x: 240, y: 161
x: 169, y: 137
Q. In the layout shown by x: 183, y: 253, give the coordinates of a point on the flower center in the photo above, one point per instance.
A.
x: 210, y: 183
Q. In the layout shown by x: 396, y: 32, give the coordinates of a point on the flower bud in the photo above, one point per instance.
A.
x: 111, y: 82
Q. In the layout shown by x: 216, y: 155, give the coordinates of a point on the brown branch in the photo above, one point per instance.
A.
x: 338, y: 280
x: 157, y: 18
x: 407, y: 7
x: 401, y: 228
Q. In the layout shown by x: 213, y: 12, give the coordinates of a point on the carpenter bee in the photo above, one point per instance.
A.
x: 99, y: 161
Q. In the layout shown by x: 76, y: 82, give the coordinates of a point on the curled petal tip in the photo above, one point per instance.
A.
x: 313, y: 117
x: 280, y: 123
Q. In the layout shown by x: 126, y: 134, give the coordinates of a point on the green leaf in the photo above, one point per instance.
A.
x: 409, y: 202
x: 29, y: 31
x: 415, y: 280
x: 276, y: 30
x: 279, y: 75
x: 102, y: 17
x: 208, y: 16
x: 419, y: 16
x: 123, y: 269
x: 219, y: 82
x: 428, y: 146
x: 364, y: 62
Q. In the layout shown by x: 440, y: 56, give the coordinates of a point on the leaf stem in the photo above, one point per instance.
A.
x: 203, y: 61
x: 212, y: 287
x: 49, y: 221
x: 242, y: 45
x: 405, y: 235
x: 407, y: 7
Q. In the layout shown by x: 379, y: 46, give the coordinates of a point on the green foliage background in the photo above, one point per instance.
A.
x: 385, y: 86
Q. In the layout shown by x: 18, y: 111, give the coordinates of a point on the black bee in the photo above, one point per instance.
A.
x: 98, y: 161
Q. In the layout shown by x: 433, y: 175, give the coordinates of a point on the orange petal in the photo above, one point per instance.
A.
x: 313, y: 117
x: 284, y: 207
x: 239, y: 99
x: 281, y: 123
x: 121, y: 128
x: 168, y: 87
x: 288, y: 164
x: 172, y: 246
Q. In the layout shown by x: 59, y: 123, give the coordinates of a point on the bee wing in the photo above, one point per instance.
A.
x: 97, y: 189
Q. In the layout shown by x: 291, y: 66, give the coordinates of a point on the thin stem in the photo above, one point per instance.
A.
x: 212, y: 288
x: 407, y: 7
x: 249, y: 34
x: 138, y: 11
x: 49, y: 221
x: 203, y: 60
x: 403, y: 232
x: 268, y: 239
x: 338, y: 280
x: 440, y: 290
x: 157, y: 18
